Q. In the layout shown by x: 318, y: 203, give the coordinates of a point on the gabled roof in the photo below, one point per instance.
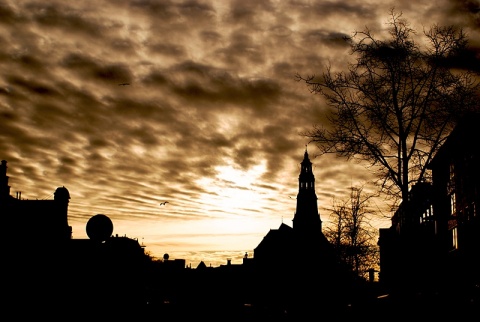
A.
x: 285, y: 228
x: 275, y: 237
x: 201, y: 265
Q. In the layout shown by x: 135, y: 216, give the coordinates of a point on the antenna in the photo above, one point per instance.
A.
x: 49, y: 196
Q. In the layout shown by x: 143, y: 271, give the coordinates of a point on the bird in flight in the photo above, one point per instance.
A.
x: 123, y: 84
x: 163, y: 203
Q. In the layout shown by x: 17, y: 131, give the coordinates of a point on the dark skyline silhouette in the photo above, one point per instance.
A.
x: 294, y: 273
x: 129, y: 104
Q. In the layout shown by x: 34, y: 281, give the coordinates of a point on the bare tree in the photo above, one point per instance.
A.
x: 351, y: 234
x: 397, y: 102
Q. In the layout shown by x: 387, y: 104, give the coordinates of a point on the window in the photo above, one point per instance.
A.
x: 427, y: 215
x: 455, y: 238
x: 453, y: 204
x: 451, y: 179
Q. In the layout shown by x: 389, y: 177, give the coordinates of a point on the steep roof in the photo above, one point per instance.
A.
x: 276, y: 237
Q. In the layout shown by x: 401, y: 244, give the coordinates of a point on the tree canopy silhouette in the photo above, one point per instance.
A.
x: 351, y: 234
x: 396, y: 103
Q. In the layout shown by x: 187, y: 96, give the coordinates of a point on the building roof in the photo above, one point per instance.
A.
x: 467, y: 129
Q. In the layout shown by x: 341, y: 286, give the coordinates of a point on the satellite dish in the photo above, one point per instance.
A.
x: 99, y: 228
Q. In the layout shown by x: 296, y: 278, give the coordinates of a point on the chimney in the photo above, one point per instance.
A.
x: 4, y: 187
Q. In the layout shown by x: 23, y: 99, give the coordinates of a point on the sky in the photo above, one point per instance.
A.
x: 129, y: 104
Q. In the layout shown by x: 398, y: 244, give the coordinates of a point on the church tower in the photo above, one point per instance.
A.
x: 307, y: 219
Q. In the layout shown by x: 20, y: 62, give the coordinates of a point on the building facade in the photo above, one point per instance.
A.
x: 456, y: 201
x: 433, y: 244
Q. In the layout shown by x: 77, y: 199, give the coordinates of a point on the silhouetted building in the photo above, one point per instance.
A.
x: 303, y: 254
x: 433, y: 244
x: 305, y: 241
x: 47, y: 268
x: 408, y: 246
x: 41, y: 221
x: 456, y: 202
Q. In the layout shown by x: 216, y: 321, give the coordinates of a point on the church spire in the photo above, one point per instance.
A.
x: 306, y: 216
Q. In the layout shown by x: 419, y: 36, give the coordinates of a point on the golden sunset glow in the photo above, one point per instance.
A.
x: 129, y: 104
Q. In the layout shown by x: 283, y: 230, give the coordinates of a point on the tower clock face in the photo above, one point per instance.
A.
x: 99, y: 228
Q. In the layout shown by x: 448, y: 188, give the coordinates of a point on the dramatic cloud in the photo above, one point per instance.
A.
x: 131, y: 103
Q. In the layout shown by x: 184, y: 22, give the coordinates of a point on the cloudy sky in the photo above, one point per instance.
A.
x: 132, y: 103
